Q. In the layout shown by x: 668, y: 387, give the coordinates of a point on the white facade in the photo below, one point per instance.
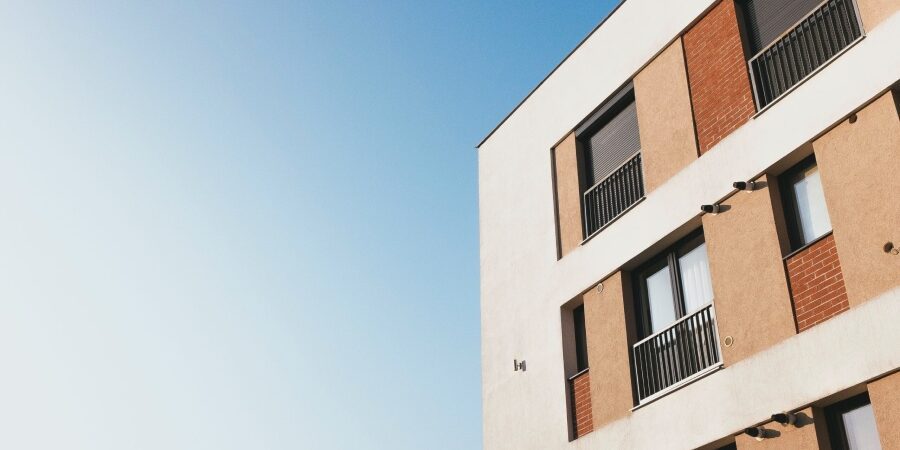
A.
x: 524, y: 284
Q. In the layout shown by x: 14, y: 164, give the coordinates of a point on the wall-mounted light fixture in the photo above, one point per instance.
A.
x: 759, y: 433
x: 711, y: 209
x: 744, y: 185
x: 785, y: 418
x: 518, y: 365
x: 890, y: 249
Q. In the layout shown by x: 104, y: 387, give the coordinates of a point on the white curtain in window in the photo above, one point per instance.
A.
x: 811, y: 209
x: 694, y: 268
x: 859, y: 424
x: 662, y: 303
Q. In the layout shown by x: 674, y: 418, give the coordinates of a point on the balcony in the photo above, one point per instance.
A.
x: 813, y: 42
x: 613, y: 196
x: 676, y: 355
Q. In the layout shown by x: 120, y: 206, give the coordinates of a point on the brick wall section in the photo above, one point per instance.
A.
x: 817, y: 285
x: 581, y: 392
x: 717, y: 75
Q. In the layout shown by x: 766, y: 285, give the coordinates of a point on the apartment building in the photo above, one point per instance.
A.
x: 690, y: 232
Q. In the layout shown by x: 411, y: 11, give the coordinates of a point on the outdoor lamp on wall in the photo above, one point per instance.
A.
x: 744, y: 185
x: 711, y: 209
x: 759, y: 433
x: 785, y: 418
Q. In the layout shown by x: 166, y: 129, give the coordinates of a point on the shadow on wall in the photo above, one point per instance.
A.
x: 801, y: 419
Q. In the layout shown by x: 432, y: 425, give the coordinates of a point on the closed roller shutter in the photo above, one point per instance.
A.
x: 766, y: 20
x: 613, y: 143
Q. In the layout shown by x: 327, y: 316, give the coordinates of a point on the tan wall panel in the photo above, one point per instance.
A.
x: 607, y: 320
x: 668, y: 142
x: 801, y: 437
x: 751, y: 294
x: 568, y: 194
x: 885, y: 397
x: 873, y: 12
x: 858, y: 165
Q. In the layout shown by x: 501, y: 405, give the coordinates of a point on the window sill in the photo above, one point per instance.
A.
x: 578, y: 374
x: 689, y: 380
x: 808, y: 245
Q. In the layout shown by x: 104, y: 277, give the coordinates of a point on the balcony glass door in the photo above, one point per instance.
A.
x: 675, y: 296
x: 674, y: 285
x: 660, y: 299
x: 693, y: 268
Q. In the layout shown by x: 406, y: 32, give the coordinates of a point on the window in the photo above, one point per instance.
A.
x: 766, y: 20
x: 675, y: 319
x: 804, y: 201
x: 581, y: 357
x: 579, y: 383
x: 611, y: 151
x: 674, y: 285
x: 851, y: 425
x: 788, y: 40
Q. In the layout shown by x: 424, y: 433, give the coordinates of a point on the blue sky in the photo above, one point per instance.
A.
x: 251, y: 225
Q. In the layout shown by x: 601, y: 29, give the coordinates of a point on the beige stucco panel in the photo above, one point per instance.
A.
x: 800, y: 437
x: 752, y: 301
x: 668, y: 142
x: 885, y: 397
x: 568, y: 194
x: 873, y: 12
x: 607, y: 339
x: 858, y: 165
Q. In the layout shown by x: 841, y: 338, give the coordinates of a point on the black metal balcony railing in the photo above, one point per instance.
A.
x: 825, y: 32
x: 613, y: 195
x: 673, y: 355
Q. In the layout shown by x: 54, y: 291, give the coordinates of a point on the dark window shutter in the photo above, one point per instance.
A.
x: 581, y: 356
x: 612, y: 143
x: 766, y: 20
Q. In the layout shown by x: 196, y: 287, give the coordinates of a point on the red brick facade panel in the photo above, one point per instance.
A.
x: 582, y: 416
x: 817, y: 285
x: 717, y: 75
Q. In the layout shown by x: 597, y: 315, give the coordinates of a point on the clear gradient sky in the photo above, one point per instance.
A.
x: 251, y: 225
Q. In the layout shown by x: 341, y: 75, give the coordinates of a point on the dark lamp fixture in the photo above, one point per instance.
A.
x: 744, y: 185
x: 754, y: 431
x: 759, y: 433
x: 785, y: 418
x: 711, y: 209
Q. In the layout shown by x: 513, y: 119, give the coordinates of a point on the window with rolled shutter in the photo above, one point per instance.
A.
x: 766, y: 20
x: 611, y: 145
x: 789, y: 40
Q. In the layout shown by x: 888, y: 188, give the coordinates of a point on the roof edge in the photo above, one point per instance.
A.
x: 566, y: 58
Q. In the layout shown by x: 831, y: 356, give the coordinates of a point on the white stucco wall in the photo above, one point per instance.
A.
x: 523, y: 284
